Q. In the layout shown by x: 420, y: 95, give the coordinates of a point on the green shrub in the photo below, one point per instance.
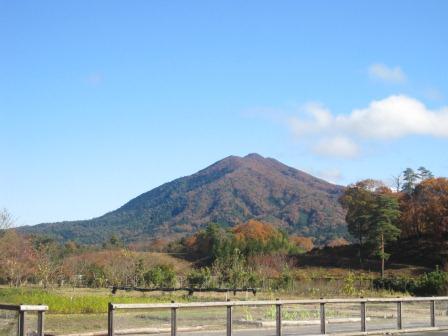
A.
x: 199, y: 278
x: 161, y: 276
x: 395, y: 284
x: 349, y: 287
x: 432, y: 283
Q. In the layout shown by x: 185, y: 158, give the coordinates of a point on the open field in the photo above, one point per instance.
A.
x: 84, y: 310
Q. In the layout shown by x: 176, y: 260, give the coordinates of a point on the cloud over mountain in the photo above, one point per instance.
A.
x: 391, y: 118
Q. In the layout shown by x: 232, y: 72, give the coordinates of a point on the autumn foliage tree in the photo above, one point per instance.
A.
x: 17, y: 258
x: 305, y: 243
x: 254, y: 237
x: 425, y: 210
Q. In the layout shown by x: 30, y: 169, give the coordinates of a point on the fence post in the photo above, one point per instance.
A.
x: 173, y: 320
x: 110, y: 319
x: 322, y: 318
x: 363, y: 316
x: 21, y: 324
x: 229, y: 320
x: 433, y: 313
x: 40, y: 323
x: 399, y: 315
x: 278, y: 310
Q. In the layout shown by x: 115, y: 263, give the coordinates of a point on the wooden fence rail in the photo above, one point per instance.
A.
x: 322, y: 303
x: 21, y: 320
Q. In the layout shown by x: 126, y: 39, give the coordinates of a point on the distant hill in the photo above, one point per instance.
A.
x: 228, y: 192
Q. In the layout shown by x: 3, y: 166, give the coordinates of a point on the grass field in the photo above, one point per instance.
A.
x: 78, y: 310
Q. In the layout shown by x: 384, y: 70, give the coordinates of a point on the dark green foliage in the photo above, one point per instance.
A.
x: 161, y: 276
x: 372, y: 217
x: 395, y: 284
x: 383, y: 228
x: 429, y: 284
x: 412, y: 178
x: 433, y: 283
x: 228, y: 192
x: 199, y: 278
x: 233, y: 271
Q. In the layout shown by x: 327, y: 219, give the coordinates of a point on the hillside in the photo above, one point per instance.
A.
x: 232, y: 190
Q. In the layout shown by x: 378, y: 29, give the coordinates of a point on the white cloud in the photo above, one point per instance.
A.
x: 332, y: 175
x: 387, y: 74
x: 395, y: 117
x: 337, y: 146
x: 390, y: 118
x: 318, y: 117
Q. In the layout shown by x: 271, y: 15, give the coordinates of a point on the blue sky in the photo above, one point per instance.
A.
x: 103, y: 100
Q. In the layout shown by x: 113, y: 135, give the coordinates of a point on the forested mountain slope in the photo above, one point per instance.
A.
x: 228, y: 192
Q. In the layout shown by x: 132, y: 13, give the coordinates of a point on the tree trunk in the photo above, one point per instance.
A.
x: 382, y: 256
x: 360, y: 252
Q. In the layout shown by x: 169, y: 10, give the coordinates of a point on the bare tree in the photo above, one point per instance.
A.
x: 6, y: 220
x: 397, y: 182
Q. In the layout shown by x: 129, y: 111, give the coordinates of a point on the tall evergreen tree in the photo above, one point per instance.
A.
x: 358, y: 200
x: 410, y: 178
x: 383, y: 225
x: 424, y: 174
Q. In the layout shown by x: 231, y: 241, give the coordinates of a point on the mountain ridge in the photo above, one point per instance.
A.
x: 230, y: 191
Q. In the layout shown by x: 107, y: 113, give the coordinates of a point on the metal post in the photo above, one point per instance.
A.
x: 322, y: 318
x: 40, y: 323
x: 21, y: 324
x: 399, y: 316
x: 173, y: 321
x: 110, y: 320
x: 278, y: 310
x: 433, y: 313
x: 363, y: 316
x: 229, y: 321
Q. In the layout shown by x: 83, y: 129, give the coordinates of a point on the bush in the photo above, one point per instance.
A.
x: 95, y: 276
x: 285, y: 280
x: 199, y: 278
x: 432, y: 283
x: 161, y: 276
x: 395, y: 284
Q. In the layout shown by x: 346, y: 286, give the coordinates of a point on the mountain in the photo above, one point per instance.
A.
x: 228, y: 192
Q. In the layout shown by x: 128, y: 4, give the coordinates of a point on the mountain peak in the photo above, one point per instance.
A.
x: 254, y: 156
x: 230, y: 191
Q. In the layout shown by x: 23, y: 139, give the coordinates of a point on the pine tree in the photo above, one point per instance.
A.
x: 358, y: 199
x: 383, y: 226
x: 424, y: 174
x: 410, y: 178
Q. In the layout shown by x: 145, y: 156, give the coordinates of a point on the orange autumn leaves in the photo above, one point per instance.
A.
x: 256, y: 230
x: 266, y: 233
x: 425, y: 210
x: 251, y: 237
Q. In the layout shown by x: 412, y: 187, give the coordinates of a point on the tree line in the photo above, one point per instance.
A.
x: 416, y: 209
x: 226, y: 258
